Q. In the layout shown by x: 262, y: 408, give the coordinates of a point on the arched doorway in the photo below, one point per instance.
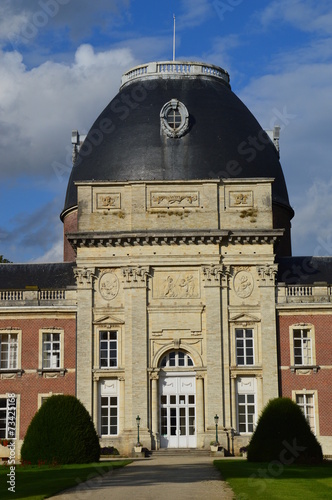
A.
x: 177, y: 401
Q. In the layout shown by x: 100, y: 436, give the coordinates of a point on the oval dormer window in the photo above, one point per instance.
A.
x: 174, y: 118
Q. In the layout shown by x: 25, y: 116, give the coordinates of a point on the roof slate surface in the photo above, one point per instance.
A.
x: 224, y: 139
x: 44, y: 276
x: 304, y: 270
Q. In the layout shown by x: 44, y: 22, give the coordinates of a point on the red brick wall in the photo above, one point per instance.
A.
x: 32, y: 384
x: 320, y: 381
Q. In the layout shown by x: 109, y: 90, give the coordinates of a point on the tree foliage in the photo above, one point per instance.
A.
x: 61, y: 432
x: 3, y: 260
x: 283, y: 434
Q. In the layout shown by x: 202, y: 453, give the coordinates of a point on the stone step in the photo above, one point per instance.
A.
x: 167, y: 452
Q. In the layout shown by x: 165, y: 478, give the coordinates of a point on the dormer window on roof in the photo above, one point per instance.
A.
x: 174, y: 118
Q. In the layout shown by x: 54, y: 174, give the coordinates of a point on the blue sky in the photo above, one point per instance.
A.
x: 61, y: 62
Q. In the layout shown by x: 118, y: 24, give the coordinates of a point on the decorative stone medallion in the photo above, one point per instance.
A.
x: 109, y: 285
x: 243, y: 284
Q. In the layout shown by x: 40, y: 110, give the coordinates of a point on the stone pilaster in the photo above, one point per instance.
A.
x: 200, y: 427
x: 136, y: 340
x: 84, y: 383
x: 154, y: 410
x: 214, y: 381
x: 266, y: 284
x: 228, y: 415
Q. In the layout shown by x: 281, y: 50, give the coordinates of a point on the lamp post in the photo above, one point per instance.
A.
x: 216, y: 420
x: 138, y: 420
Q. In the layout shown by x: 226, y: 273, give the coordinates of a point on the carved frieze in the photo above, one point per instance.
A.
x: 175, y: 199
x: 176, y: 285
x: 109, y: 285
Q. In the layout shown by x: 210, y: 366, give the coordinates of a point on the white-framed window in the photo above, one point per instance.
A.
x: 306, y: 401
x: 244, y: 346
x: 302, y: 344
x: 51, y: 350
x: 109, y: 415
x: 176, y: 359
x: 246, y: 398
x: 42, y: 398
x: 108, y: 348
x: 8, y: 417
x: 108, y: 407
x: 246, y: 412
x: 8, y: 351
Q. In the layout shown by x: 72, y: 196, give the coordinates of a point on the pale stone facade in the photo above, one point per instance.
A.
x: 148, y: 269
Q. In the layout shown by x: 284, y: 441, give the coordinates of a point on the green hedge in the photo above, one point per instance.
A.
x: 283, y: 434
x: 61, y: 432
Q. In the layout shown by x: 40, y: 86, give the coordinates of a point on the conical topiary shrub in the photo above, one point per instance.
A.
x: 283, y: 434
x: 61, y: 431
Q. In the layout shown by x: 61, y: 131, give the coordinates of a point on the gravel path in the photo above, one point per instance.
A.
x: 160, y: 478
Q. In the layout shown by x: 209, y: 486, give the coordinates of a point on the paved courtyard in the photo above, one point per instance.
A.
x: 162, y: 478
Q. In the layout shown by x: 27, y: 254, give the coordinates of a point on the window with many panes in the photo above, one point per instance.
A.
x: 7, y: 418
x: 244, y: 339
x: 51, y: 350
x: 8, y: 351
x: 246, y: 410
x: 176, y: 359
x: 307, y: 404
x: 302, y: 342
x: 109, y: 415
x: 108, y: 352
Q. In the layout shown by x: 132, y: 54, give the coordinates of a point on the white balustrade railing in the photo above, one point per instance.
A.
x: 298, y: 291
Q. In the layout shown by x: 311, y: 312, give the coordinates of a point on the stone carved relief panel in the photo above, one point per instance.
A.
x: 241, y: 199
x: 243, y: 282
x: 108, y: 285
x: 108, y: 201
x: 174, y: 199
x: 176, y: 285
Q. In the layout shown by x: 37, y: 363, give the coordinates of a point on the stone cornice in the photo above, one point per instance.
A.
x: 141, y: 238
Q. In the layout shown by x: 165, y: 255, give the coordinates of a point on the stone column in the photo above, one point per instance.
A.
x: 214, y: 389
x: 269, y: 332
x: 84, y: 365
x: 155, y: 410
x: 200, y: 427
x: 121, y: 404
x: 136, y: 338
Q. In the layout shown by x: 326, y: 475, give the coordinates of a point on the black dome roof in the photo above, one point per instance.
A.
x: 223, y: 139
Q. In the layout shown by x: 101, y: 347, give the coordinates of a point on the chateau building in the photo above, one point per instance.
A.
x: 178, y: 299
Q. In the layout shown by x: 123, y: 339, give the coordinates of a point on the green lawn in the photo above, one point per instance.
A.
x: 274, y: 481
x: 36, y: 483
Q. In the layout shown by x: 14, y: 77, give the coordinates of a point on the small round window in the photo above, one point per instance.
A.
x: 174, y: 118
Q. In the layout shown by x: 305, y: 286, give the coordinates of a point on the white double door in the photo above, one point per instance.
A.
x: 177, y: 402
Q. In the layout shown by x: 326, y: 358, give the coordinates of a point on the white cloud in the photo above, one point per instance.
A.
x: 194, y: 13
x: 54, y: 254
x: 22, y: 24
x: 306, y: 15
x: 40, y: 107
x: 312, y: 226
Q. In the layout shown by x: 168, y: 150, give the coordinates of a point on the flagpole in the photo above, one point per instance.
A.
x: 174, y: 39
